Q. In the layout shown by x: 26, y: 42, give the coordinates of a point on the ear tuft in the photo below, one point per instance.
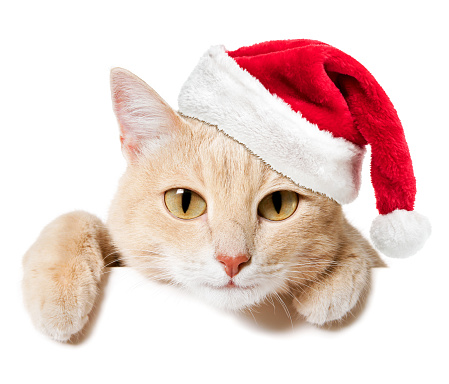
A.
x: 145, y: 119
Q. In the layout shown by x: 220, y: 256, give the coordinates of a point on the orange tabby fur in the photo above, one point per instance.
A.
x: 315, y: 254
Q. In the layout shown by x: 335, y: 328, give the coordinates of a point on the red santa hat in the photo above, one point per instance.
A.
x: 308, y: 110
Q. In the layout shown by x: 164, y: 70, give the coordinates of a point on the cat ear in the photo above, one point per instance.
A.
x: 146, y: 121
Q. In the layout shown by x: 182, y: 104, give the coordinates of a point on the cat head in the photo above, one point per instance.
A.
x: 197, y: 209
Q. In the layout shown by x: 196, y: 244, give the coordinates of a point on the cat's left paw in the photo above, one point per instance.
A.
x: 334, y: 297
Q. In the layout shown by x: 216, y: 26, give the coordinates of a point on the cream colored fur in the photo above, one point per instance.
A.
x: 62, y: 272
x: 315, y: 255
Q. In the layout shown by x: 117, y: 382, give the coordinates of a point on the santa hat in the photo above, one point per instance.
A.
x: 308, y: 110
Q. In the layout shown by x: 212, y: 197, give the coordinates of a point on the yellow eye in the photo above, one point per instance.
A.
x: 184, y: 203
x: 278, y: 205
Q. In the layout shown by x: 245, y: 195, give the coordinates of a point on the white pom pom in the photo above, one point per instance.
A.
x: 400, y: 233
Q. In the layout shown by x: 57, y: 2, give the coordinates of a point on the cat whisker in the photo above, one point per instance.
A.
x: 297, y: 282
x: 159, y: 253
x: 318, y: 271
x: 287, y: 312
x: 294, y: 297
x: 110, y: 263
x: 306, y: 271
x: 314, y: 263
x: 270, y: 299
x: 306, y: 275
x: 252, y: 314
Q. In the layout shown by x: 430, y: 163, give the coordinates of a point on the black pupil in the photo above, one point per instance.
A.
x: 277, y: 201
x: 186, y: 197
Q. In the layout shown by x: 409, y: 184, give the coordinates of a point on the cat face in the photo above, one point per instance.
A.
x: 197, y: 209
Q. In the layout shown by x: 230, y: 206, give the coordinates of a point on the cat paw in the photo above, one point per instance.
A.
x: 59, y: 299
x: 332, y: 299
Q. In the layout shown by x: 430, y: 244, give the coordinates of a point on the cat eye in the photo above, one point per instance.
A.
x: 278, y: 205
x: 184, y: 203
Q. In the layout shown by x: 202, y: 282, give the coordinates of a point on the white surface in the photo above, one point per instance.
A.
x: 60, y: 151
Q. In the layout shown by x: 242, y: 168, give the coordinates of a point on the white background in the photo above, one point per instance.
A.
x: 60, y: 151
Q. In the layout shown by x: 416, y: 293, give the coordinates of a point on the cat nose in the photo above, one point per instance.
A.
x: 232, y: 263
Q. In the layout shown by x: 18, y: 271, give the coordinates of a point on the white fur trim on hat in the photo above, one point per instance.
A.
x: 221, y: 93
x: 400, y: 233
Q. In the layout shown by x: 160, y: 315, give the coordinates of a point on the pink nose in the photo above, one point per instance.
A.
x: 232, y: 263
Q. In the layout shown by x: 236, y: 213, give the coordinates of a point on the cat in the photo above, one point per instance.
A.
x: 197, y: 209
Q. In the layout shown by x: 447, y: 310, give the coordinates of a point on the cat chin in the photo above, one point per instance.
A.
x: 231, y: 299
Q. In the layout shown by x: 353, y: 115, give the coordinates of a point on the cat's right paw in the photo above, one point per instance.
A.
x: 59, y: 299
x: 62, y: 273
x: 333, y: 298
